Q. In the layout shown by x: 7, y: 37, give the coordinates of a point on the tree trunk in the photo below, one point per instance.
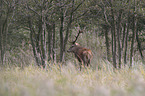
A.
x: 33, y: 44
x: 114, y: 50
x: 69, y: 25
x: 123, y: 38
x: 38, y: 37
x: 3, y: 36
x: 49, y: 29
x: 107, y: 43
x: 118, y: 38
x: 132, y: 43
x: 139, y: 46
x: 127, y: 33
x: 113, y: 36
x: 1, y: 45
x: 133, y: 36
x: 54, y: 44
x: 43, y: 44
x: 61, y: 36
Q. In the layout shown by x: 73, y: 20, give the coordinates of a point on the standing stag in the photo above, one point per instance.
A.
x: 83, y: 55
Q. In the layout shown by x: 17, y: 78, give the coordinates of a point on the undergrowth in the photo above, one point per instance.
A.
x: 67, y: 80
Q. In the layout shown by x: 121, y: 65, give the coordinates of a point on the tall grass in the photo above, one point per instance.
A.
x: 69, y: 81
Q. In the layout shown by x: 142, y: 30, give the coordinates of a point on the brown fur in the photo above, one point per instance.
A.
x: 83, y: 55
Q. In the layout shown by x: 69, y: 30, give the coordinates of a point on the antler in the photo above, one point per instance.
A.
x: 80, y: 31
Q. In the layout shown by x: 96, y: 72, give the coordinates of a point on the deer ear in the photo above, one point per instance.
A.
x: 77, y: 44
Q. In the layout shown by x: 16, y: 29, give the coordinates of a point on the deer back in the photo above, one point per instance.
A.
x: 82, y: 54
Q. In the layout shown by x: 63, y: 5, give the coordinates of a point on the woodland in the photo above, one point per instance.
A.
x: 42, y: 29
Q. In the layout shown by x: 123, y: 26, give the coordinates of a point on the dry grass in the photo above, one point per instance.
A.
x: 69, y: 81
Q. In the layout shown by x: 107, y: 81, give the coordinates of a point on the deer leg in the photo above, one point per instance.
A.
x: 80, y: 60
x: 84, y: 64
x: 80, y: 66
x: 88, y: 63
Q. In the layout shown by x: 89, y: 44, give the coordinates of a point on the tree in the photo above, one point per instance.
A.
x: 67, y: 13
x: 113, y: 15
x: 6, y: 10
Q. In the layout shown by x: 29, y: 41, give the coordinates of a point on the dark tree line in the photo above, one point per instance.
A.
x: 119, y: 19
x: 50, y: 23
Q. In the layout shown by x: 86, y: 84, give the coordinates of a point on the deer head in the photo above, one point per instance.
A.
x: 74, y: 44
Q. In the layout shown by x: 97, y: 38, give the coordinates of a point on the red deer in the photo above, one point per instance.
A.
x: 83, y: 55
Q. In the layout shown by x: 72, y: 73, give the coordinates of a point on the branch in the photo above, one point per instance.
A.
x: 78, y: 6
x: 105, y: 13
x: 80, y: 15
x: 33, y: 11
x: 106, y: 17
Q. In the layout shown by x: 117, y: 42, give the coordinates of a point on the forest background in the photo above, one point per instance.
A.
x: 40, y: 30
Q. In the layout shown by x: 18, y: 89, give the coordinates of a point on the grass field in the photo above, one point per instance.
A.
x: 69, y: 81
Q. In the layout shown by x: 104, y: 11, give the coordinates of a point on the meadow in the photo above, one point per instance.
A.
x: 67, y: 80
